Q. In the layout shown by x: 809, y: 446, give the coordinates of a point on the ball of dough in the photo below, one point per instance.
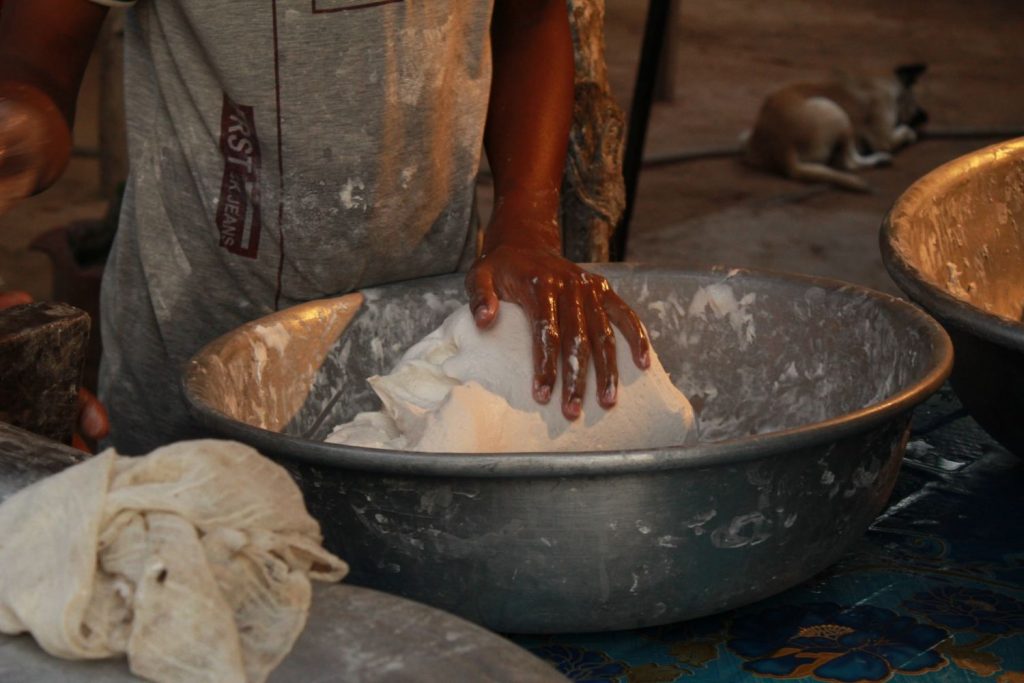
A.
x: 466, y: 390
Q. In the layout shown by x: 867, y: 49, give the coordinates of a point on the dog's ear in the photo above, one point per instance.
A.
x: 909, y: 73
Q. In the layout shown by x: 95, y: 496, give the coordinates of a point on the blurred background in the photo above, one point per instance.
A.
x: 722, y: 58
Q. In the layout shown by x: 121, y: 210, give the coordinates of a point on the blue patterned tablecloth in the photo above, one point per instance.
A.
x: 933, y: 592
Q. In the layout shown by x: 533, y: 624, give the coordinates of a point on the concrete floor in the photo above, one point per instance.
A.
x: 733, y: 52
x: 730, y: 54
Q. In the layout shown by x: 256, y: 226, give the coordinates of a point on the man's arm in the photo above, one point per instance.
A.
x: 531, y: 107
x: 44, y: 49
x: 526, y: 138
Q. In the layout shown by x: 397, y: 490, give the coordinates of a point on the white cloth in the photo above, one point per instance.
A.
x: 463, y: 390
x: 195, y: 560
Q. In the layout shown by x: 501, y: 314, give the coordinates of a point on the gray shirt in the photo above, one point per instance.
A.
x: 281, y: 151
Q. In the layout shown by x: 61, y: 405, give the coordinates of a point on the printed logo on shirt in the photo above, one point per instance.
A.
x: 327, y: 6
x: 238, y: 213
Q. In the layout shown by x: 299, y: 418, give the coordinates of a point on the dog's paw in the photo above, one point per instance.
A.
x: 903, y: 135
x: 870, y: 160
x: 882, y: 159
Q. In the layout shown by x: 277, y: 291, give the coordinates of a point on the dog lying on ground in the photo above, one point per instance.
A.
x: 822, y: 132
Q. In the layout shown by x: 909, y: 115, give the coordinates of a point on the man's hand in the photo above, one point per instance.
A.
x: 527, y: 137
x: 93, y: 421
x: 44, y: 48
x: 572, y: 313
x: 27, y: 144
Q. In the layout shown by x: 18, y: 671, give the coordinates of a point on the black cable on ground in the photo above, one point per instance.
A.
x: 950, y: 133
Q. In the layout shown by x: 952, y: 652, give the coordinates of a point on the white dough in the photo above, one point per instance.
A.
x: 463, y: 390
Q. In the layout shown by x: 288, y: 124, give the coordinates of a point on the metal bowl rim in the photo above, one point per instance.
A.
x: 701, y: 456
x: 936, y: 300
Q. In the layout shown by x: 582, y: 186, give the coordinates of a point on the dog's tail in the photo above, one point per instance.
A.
x: 812, y: 172
x: 746, y: 152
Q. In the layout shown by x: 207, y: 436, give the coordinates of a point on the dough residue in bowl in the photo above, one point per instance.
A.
x: 465, y: 390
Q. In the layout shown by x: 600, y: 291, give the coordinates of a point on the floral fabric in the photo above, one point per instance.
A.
x: 933, y: 592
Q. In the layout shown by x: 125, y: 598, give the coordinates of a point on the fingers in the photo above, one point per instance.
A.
x: 483, y: 300
x: 21, y: 156
x: 584, y: 331
x: 602, y: 343
x: 575, y: 350
x: 15, y: 186
x: 14, y: 298
x: 572, y: 313
x: 546, y: 335
x: 93, y: 421
x: 626, y: 319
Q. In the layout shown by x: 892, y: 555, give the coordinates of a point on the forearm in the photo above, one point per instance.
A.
x: 528, y: 121
x: 46, y: 44
x: 44, y: 49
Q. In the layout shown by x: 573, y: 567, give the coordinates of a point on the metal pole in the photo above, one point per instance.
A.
x: 658, y: 12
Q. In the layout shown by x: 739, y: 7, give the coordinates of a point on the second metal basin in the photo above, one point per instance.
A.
x: 954, y: 242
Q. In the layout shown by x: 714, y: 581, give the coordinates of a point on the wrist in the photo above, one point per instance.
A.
x: 526, y: 220
x: 54, y: 136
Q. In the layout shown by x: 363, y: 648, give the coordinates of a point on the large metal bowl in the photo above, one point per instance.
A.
x: 954, y: 242
x: 803, y: 389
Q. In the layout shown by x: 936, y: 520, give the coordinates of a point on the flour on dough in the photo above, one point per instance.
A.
x: 463, y: 390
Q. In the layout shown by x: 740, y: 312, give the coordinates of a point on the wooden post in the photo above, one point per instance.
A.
x: 113, y: 140
x: 668, y: 63
x: 639, y: 116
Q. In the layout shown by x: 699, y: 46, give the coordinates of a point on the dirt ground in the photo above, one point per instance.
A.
x: 730, y: 54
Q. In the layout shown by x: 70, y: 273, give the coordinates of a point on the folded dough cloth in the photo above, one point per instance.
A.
x: 195, y: 560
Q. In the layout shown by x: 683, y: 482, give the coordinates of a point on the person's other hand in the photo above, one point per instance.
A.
x: 93, y: 421
x: 572, y: 312
x: 11, y: 299
x: 34, y: 144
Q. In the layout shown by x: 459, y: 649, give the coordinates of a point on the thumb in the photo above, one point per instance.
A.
x: 483, y: 300
x: 93, y: 419
x: 14, y: 298
x: 15, y: 186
